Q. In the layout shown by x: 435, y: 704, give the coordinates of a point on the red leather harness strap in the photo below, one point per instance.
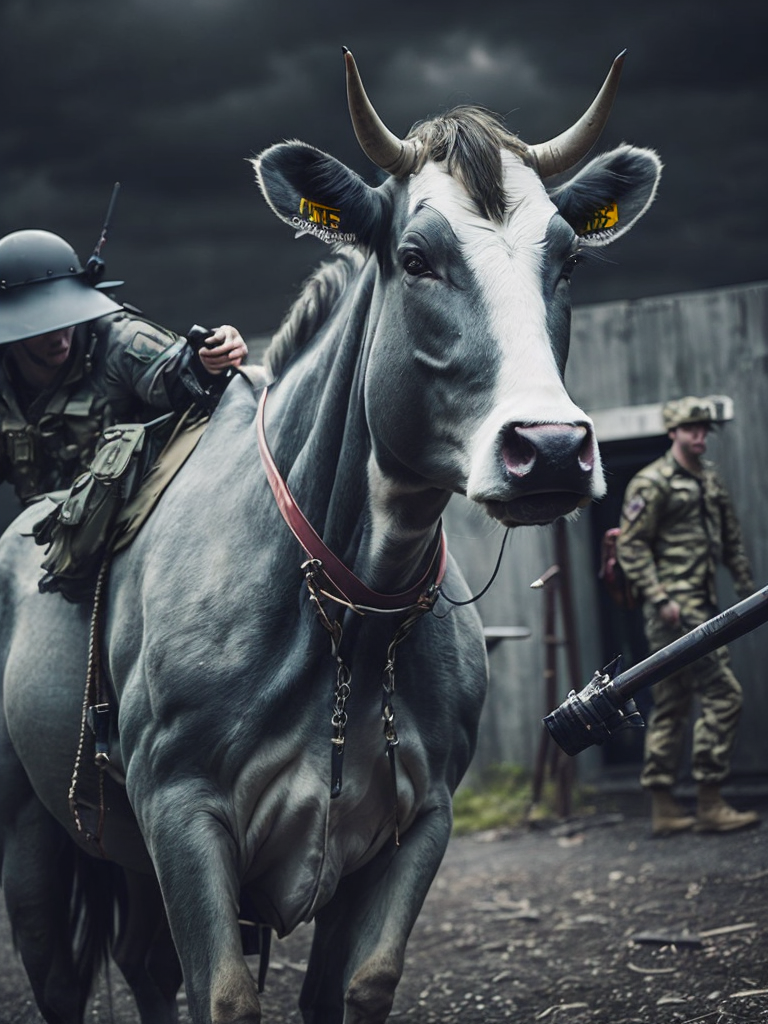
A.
x: 349, y: 586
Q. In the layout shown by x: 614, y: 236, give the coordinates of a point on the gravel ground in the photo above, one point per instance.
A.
x: 586, y: 921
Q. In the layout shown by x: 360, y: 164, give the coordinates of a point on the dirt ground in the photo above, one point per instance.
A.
x: 588, y: 922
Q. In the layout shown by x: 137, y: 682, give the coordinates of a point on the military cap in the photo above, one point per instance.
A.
x: 43, y: 287
x: 682, y: 411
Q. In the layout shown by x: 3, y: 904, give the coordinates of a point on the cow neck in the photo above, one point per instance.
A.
x: 350, y: 587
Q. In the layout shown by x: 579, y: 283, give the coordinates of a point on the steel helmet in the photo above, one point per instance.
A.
x: 43, y: 287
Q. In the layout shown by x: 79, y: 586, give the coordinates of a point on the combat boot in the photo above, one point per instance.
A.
x: 713, y: 814
x: 667, y: 816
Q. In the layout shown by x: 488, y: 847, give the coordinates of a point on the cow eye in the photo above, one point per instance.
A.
x: 415, y: 264
x: 570, y: 265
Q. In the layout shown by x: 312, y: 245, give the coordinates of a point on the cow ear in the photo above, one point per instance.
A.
x: 318, y: 195
x: 610, y: 194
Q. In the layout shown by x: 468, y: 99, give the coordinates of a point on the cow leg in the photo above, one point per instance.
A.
x: 145, y: 953
x: 358, y: 948
x: 322, y: 994
x: 37, y: 862
x: 195, y: 860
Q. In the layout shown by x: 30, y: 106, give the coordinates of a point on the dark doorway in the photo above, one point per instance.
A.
x: 621, y: 631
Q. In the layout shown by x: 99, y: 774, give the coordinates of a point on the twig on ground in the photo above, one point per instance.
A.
x: 727, y: 929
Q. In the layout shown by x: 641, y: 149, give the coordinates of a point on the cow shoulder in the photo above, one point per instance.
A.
x: 609, y: 194
x: 318, y: 195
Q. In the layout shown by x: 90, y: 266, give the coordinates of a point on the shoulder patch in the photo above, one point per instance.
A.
x: 634, y: 507
x: 146, y: 345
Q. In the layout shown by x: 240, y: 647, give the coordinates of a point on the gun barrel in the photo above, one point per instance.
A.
x: 605, y: 705
x: 734, y: 622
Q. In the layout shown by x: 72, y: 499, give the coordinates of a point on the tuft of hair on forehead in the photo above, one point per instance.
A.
x: 469, y: 139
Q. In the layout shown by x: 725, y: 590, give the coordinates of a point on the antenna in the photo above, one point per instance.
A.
x: 94, y: 268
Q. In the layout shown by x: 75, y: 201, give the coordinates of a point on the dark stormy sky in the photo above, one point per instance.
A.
x: 171, y: 96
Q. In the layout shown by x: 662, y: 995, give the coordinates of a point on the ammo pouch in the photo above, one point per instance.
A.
x: 79, y: 529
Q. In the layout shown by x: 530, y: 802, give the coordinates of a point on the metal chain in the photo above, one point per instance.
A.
x: 313, y: 570
x: 424, y: 604
x: 91, y: 685
x: 343, y: 689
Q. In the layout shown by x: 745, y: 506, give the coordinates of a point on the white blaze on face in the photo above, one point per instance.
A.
x: 506, y: 260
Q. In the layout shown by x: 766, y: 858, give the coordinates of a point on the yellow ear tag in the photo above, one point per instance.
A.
x: 324, y: 222
x: 601, y: 220
x: 317, y: 213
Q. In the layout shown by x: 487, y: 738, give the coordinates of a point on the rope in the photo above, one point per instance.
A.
x: 486, y: 588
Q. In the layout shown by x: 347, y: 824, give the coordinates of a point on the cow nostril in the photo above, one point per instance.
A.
x: 548, y: 448
x: 587, y: 452
x: 518, y: 453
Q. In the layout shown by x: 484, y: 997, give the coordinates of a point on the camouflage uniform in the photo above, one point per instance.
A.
x: 122, y: 369
x: 675, y: 528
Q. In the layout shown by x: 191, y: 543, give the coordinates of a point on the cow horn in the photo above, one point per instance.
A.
x: 567, y: 149
x: 393, y: 155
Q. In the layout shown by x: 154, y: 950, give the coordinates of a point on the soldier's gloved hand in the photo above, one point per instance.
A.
x: 224, y: 349
x: 669, y: 613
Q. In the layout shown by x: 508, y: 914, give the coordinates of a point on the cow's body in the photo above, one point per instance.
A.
x: 425, y: 360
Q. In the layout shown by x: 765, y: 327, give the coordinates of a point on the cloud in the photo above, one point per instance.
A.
x: 463, y: 64
x: 171, y: 98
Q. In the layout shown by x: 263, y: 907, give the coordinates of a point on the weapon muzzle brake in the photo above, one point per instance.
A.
x: 588, y: 718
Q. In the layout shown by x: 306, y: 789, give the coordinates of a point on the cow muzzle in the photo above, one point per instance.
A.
x: 547, y: 471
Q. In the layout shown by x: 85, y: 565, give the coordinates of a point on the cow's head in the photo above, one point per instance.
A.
x: 470, y: 318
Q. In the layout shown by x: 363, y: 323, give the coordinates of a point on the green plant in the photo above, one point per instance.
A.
x: 502, y: 798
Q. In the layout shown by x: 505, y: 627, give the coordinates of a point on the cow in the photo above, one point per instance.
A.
x: 292, y: 709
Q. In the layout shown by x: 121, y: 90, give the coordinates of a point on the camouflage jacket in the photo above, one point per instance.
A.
x: 675, y: 528
x: 122, y: 369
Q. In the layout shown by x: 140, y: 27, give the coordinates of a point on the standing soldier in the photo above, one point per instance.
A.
x: 677, y: 523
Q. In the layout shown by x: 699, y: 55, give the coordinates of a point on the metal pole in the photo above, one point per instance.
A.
x: 566, y: 769
x: 550, y: 681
